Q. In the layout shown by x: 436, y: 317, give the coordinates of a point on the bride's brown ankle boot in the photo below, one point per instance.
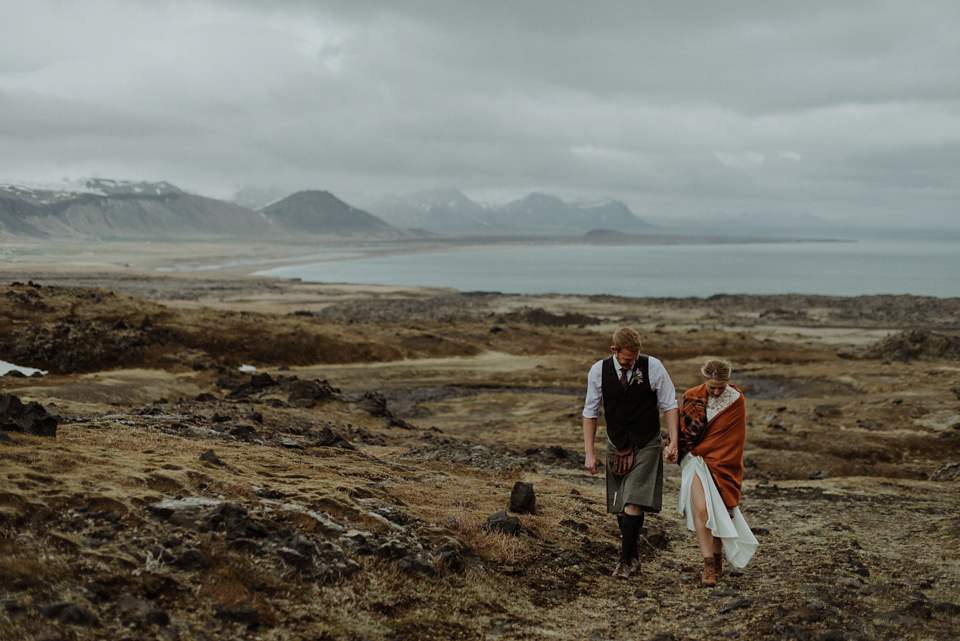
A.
x: 718, y: 564
x: 709, y: 576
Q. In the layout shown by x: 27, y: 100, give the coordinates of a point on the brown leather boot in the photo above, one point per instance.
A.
x: 709, y: 576
x: 718, y: 564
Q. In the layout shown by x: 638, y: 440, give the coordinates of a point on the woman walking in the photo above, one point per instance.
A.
x: 712, y: 435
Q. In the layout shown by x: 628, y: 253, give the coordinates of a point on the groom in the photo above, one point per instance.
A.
x: 632, y: 388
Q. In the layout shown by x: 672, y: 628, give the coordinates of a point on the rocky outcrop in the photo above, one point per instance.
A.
x: 31, y: 418
x: 915, y: 344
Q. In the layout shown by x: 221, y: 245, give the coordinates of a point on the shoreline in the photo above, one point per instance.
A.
x: 181, y: 255
x: 200, y: 260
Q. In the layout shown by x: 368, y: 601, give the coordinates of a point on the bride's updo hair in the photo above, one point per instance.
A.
x: 716, y: 369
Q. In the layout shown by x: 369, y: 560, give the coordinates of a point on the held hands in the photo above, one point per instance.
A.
x: 670, y: 452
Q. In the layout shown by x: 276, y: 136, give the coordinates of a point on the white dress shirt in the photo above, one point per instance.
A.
x: 659, y: 381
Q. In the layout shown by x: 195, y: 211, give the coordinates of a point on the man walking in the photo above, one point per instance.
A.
x: 632, y: 388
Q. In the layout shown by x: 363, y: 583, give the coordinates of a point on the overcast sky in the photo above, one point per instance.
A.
x: 849, y: 111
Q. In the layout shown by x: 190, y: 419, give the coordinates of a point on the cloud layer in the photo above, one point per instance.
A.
x: 848, y: 111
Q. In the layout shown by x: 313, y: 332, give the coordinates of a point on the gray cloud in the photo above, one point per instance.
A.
x: 849, y: 111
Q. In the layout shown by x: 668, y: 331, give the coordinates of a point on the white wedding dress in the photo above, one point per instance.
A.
x: 739, y: 543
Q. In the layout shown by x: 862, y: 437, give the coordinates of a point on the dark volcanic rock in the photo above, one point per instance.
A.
x: 312, y: 558
x: 409, y: 557
x: 523, y: 500
x: 245, y: 433
x: 192, y: 559
x: 448, y: 556
x: 11, y: 408
x: 236, y: 521
x: 375, y: 404
x: 948, y: 472
x: 211, y: 457
x: 582, y: 528
x: 327, y: 438
x: 31, y: 418
x: 503, y: 522
x: 307, y: 393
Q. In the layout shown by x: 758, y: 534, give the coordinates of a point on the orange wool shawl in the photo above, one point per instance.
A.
x: 718, y: 442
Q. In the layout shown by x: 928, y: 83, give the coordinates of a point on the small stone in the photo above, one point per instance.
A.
x: 523, y: 500
x: 192, y: 559
x: 504, y: 523
x: 210, y: 457
x: 575, y: 525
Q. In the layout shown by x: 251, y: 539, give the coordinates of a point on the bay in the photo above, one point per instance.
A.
x: 919, y: 266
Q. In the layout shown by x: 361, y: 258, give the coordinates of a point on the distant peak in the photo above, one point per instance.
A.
x: 109, y: 187
x: 540, y: 197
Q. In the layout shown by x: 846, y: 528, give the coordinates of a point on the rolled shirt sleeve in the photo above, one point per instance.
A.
x: 594, y: 398
x: 662, y: 385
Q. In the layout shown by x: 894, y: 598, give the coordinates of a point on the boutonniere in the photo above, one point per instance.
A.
x: 637, y: 378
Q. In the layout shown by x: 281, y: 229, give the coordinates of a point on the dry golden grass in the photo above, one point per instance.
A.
x: 853, y: 541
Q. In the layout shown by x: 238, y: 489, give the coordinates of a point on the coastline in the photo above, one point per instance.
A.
x: 244, y: 257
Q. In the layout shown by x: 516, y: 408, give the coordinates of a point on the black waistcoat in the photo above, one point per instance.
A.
x: 632, y: 415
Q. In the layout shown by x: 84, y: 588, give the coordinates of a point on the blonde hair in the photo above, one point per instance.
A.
x: 716, y: 368
x: 626, y: 338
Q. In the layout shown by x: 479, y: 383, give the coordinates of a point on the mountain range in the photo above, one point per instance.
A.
x: 450, y: 211
x: 109, y: 208
x: 102, y: 208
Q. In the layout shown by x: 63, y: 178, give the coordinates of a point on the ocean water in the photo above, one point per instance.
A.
x: 921, y: 266
x: 6, y: 368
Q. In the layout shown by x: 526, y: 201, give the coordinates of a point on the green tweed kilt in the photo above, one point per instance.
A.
x: 642, y: 485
